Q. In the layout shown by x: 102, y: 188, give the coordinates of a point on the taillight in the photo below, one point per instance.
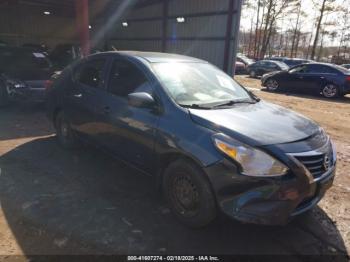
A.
x: 347, y: 79
x: 48, y: 84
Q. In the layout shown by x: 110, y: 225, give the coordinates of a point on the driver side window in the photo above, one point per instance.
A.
x: 299, y: 70
x: 125, y: 78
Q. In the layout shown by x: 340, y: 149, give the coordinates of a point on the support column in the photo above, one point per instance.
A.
x: 82, y: 20
x: 165, y: 24
x: 228, y: 36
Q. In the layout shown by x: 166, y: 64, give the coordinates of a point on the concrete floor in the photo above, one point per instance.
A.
x: 84, y: 202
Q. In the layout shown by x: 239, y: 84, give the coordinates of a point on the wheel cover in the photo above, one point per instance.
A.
x: 185, y: 196
x: 272, y: 84
x: 330, y: 91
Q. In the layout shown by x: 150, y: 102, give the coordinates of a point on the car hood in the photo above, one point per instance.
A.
x: 257, y: 124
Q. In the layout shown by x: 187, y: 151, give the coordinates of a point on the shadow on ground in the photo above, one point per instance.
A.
x: 23, y: 120
x: 84, y: 202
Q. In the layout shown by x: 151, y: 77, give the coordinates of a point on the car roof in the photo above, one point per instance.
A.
x: 155, y: 57
x: 272, y: 61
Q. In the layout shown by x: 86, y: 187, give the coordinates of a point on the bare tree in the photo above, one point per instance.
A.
x: 275, y: 9
x: 326, y: 7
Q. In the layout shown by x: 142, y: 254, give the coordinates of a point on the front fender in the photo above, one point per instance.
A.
x: 178, y: 134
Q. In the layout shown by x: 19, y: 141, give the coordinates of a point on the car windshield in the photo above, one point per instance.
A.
x: 282, y: 65
x: 199, y: 84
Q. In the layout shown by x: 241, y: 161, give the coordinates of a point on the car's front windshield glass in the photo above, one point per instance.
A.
x: 282, y: 65
x: 199, y: 84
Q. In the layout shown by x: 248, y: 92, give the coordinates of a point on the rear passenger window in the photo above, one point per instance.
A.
x: 91, y: 73
x: 322, y: 69
x: 126, y: 78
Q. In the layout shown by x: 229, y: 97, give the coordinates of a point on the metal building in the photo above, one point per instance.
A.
x: 207, y: 29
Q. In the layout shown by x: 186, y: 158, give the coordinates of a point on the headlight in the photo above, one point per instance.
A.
x: 254, y: 162
x: 15, y: 83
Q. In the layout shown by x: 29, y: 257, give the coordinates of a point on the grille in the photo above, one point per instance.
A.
x: 317, y: 164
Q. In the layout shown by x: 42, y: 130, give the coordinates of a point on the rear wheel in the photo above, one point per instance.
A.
x: 65, y: 134
x: 4, y: 96
x: 189, y: 194
x: 330, y: 91
x: 272, y: 85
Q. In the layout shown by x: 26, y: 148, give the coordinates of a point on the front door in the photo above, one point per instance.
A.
x: 127, y: 131
x: 295, y: 80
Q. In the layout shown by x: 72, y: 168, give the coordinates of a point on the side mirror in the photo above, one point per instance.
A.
x: 141, y: 100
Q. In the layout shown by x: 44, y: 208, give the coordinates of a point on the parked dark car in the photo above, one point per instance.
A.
x: 23, y: 74
x: 265, y: 66
x: 347, y: 66
x: 328, y: 79
x: 64, y: 54
x: 207, y: 142
x: 291, y: 61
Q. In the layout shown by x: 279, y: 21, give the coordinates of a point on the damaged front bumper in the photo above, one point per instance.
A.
x: 270, y: 200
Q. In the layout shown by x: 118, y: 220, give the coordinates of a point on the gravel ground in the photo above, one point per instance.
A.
x: 84, y: 202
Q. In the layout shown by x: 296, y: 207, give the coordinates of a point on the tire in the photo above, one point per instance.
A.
x: 272, y: 85
x: 252, y: 74
x: 66, y: 136
x: 330, y: 91
x: 189, y: 194
x: 4, y: 97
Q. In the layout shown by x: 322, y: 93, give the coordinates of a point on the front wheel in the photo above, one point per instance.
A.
x: 65, y: 134
x: 330, y: 91
x: 272, y: 85
x: 189, y: 194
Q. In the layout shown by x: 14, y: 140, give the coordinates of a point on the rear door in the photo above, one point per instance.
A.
x: 314, y: 77
x: 127, y: 131
x: 84, y: 98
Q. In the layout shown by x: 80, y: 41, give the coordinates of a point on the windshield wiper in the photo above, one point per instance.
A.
x: 195, y: 106
x: 233, y: 102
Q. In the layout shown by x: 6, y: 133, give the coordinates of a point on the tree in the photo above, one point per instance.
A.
x: 275, y: 9
x: 326, y: 7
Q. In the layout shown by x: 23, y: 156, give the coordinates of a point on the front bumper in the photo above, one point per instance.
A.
x: 268, y: 201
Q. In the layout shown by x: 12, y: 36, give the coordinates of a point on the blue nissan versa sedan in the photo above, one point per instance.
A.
x: 210, y: 144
